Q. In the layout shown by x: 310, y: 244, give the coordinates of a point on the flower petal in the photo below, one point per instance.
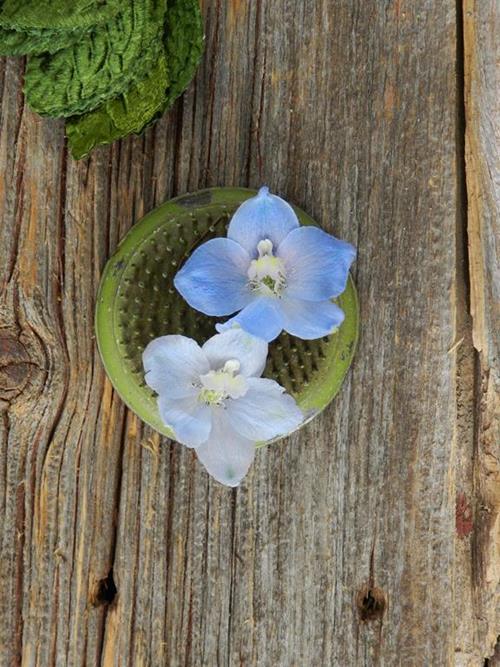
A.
x: 261, y: 318
x: 214, y: 279
x: 317, y: 263
x: 172, y: 364
x: 265, y: 411
x: 235, y: 343
x: 226, y: 455
x: 265, y: 216
x: 190, y: 419
x: 310, y: 319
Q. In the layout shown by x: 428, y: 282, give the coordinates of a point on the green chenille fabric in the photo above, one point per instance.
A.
x: 184, y: 43
x: 101, y: 65
x: 54, y: 14
x: 148, y: 99
x: 119, y: 117
x: 30, y: 41
x: 35, y: 40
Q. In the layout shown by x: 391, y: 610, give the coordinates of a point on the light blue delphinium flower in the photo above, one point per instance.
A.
x: 278, y: 274
x: 215, y: 400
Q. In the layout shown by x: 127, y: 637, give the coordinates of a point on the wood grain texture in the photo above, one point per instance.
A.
x: 482, y: 95
x: 343, y: 545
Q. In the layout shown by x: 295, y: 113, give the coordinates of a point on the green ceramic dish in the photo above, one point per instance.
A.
x: 137, y: 302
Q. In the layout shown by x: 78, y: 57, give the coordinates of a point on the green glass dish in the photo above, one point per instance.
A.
x: 137, y: 302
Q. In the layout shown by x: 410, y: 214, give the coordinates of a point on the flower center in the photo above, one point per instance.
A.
x: 217, y: 386
x: 267, y: 274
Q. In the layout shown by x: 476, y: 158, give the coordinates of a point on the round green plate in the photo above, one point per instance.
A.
x: 137, y: 302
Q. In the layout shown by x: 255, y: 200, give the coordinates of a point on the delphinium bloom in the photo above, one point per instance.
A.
x: 273, y: 272
x: 215, y: 400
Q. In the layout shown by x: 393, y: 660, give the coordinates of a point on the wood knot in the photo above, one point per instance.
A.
x: 104, y: 591
x: 371, y: 603
x: 15, y: 366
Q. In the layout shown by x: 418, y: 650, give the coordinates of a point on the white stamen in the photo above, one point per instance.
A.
x: 232, y: 366
x: 267, y: 274
x: 265, y: 247
x: 218, y: 386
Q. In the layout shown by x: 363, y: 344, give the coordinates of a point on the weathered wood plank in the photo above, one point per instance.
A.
x: 340, y: 548
x: 482, y: 152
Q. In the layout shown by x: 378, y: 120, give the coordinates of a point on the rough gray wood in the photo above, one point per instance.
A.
x: 342, y: 546
x: 482, y: 152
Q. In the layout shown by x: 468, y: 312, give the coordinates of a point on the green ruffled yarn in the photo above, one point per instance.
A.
x: 111, y: 67
x: 150, y: 97
x: 103, y: 63
x: 56, y: 14
x: 35, y: 40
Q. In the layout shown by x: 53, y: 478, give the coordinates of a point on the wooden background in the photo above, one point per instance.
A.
x: 372, y: 538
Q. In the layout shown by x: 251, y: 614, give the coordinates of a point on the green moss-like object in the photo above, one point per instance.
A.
x: 183, y: 45
x: 22, y: 43
x: 119, y: 117
x: 101, y: 65
x: 147, y: 99
x: 112, y: 67
x: 31, y: 41
x: 54, y: 14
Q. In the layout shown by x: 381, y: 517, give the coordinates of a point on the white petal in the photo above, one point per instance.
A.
x: 190, y: 419
x: 226, y: 455
x: 236, y: 343
x: 172, y: 364
x: 265, y: 411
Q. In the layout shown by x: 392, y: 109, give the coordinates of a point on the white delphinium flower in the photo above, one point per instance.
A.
x: 215, y: 400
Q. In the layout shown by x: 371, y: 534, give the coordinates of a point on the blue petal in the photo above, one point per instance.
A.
x: 265, y: 216
x: 261, y: 318
x: 227, y: 456
x: 214, y: 279
x: 310, y: 319
x: 235, y: 343
x: 317, y: 264
x: 264, y: 412
x: 190, y: 419
x: 172, y: 364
